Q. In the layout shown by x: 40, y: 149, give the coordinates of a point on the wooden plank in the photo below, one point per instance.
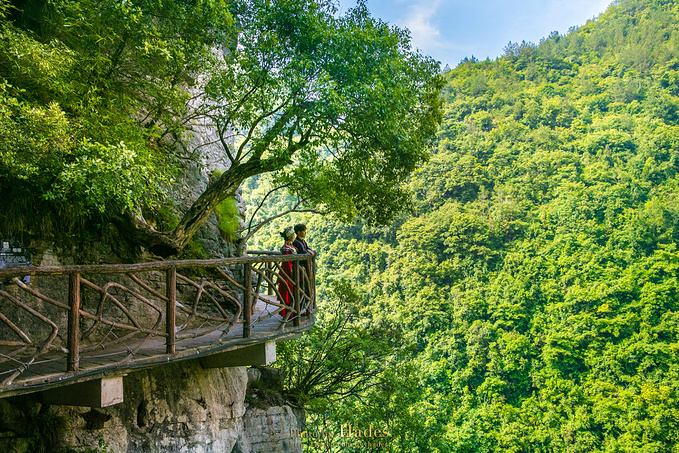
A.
x: 52, y: 366
x: 38, y: 383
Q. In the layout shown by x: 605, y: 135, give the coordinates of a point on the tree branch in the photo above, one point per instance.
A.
x: 222, y: 140
x: 265, y: 221
x: 261, y: 203
x: 116, y: 55
x: 254, y: 126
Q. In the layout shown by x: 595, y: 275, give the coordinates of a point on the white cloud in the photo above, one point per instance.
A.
x: 425, y: 34
x: 419, y: 22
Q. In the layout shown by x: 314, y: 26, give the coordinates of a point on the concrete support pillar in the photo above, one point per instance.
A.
x: 258, y: 354
x: 95, y: 393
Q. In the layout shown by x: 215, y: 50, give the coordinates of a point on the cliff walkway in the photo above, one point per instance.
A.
x: 76, y: 324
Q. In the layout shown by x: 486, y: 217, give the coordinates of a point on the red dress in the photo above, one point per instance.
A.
x: 285, y: 284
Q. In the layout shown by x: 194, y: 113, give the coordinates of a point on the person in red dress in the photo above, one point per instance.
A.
x: 285, y: 279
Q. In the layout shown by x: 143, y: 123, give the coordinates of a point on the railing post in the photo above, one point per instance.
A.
x: 269, y: 288
x: 73, y: 359
x: 310, y: 280
x: 171, y: 309
x: 313, y: 282
x: 297, y: 293
x: 247, y: 299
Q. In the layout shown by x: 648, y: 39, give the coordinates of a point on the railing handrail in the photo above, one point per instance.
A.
x: 151, y: 266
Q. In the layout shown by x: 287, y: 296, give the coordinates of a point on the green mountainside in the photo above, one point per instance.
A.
x: 529, y: 302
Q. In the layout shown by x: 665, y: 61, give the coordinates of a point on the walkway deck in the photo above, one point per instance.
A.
x: 123, y: 322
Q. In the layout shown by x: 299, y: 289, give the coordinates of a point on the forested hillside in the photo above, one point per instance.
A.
x: 529, y: 301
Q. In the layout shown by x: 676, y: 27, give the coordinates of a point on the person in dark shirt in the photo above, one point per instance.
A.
x: 299, y: 242
x: 303, y: 248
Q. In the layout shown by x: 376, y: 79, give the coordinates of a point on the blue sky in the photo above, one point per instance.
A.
x: 450, y: 30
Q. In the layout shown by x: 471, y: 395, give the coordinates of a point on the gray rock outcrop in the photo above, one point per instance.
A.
x: 269, y: 430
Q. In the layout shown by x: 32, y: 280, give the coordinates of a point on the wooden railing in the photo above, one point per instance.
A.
x: 121, y: 311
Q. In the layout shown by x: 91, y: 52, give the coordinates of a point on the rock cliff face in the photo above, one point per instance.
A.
x: 269, y: 430
x: 171, y: 408
x: 176, y: 408
x: 269, y: 425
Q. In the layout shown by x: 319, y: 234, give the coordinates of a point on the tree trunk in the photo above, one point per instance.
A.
x: 167, y: 243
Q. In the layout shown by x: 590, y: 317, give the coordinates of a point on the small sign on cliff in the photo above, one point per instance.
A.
x: 13, y: 254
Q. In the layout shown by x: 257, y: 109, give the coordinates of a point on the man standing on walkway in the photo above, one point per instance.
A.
x: 299, y: 242
x: 303, y: 248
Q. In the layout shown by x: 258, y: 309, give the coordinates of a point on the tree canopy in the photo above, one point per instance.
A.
x: 97, y: 96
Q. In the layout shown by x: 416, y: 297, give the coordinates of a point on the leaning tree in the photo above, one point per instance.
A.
x: 338, y: 108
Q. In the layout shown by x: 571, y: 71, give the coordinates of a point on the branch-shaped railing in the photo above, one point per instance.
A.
x: 120, y: 313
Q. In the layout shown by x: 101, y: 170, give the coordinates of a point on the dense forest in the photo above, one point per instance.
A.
x: 528, y: 301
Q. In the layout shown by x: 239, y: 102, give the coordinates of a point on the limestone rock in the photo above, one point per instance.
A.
x: 269, y: 425
x: 173, y: 408
x: 269, y: 430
